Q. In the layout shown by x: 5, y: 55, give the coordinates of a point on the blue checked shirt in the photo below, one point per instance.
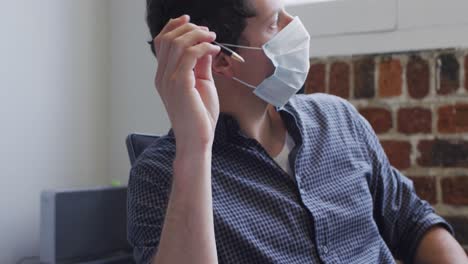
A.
x: 347, y: 204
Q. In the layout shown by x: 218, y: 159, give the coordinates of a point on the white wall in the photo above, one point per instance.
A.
x: 134, y: 103
x: 53, y: 109
x: 417, y: 24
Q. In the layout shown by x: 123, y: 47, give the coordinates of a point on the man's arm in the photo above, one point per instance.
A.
x: 405, y: 221
x: 188, y: 231
x: 170, y: 218
x: 439, y: 246
x: 185, y: 83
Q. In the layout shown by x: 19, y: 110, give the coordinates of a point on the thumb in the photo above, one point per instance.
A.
x: 203, y: 68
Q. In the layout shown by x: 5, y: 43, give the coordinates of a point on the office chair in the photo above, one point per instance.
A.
x: 137, y: 143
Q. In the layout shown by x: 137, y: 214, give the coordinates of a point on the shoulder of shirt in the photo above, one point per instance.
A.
x: 331, y: 114
x: 326, y: 106
x: 157, y: 157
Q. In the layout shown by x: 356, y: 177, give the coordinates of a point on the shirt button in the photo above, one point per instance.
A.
x: 325, y: 249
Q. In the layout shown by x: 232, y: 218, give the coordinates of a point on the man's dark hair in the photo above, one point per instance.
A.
x: 225, y: 17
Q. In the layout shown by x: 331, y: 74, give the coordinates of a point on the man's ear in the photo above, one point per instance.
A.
x: 222, y: 65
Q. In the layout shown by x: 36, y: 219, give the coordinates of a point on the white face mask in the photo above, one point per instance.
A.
x: 289, y: 52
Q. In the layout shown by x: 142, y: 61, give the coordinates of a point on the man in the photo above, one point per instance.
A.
x: 250, y: 172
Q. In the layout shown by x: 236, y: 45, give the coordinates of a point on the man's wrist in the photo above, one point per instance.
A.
x: 189, y: 151
x: 189, y: 145
x: 191, y: 159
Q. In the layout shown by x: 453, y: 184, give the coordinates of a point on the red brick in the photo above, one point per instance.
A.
x: 453, y: 118
x: 443, y: 153
x: 425, y: 188
x: 315, y: 82
x: 414, y: 120
x: 379, y: 118
x: 466, y: 72
x: 390, y: 78
x: 364, y: 78
x: 417, y: 76
x: 449, y: 74
x: 339, y: 79
x: 398, y: 153
x: 455, y: 190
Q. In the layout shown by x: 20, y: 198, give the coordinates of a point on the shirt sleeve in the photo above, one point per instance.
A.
x: 402, y: 217
x: 147, y: 199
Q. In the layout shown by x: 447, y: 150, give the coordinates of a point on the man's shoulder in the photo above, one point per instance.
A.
x: 324, y: 106
x: 157, y: 157
x: 321, y: 100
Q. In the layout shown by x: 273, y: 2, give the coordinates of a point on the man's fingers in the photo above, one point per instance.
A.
x: 174, y: 23
x: 162, y: 48
x: 165, y: 42
x: 189, y: 59
x: 170, y: 26
x: 168, y: 40
x: 182, y: 43
x: 171, y: 38
x: 181, y: 30
x: 203, y: 68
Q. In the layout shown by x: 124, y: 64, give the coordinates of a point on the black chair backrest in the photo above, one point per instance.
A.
x: 137, y: 143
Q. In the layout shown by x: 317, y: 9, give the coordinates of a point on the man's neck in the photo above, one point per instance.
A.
x: 265, y: 125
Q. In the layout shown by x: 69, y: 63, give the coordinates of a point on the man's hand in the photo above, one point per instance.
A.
x: 439, y: 246
x: 185, y: 83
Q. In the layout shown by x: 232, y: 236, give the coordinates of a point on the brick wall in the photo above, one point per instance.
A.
x: 417, y: 104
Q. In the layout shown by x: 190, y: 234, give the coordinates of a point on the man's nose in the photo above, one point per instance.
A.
x: 287, y: 18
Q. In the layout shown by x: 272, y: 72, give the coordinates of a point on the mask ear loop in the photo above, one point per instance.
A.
x: 244, y: 83
x: 243, y: 47
x: 240, y: 46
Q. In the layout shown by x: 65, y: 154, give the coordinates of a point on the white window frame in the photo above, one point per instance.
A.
x: 376, y: 26
x: 355, y: 16
x: 419, y: 14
